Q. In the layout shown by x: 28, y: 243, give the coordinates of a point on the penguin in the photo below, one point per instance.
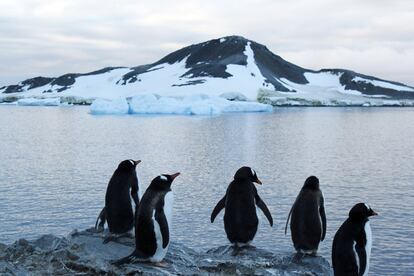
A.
x: 118, y: 210
x: 153, y: 223
x: 239, y: 202
x: 308, y: 219
x: 351, y: 249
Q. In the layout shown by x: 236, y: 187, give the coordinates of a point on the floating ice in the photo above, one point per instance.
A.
x: 198, y: 104
x: 150, y: 104
x: 39, y: 102
x: 235, y: 106
x: 104, y: 106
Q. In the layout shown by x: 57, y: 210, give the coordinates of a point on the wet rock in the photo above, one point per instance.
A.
x: 256, y: 261
x: 84, y: 253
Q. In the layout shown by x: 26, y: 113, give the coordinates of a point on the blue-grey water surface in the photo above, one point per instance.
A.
x: 55, y: 164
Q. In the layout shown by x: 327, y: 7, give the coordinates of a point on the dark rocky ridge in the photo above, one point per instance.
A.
x: 347, y: 76
x: 64, y: 82
x: 83, y: 253
x: 210, y: 59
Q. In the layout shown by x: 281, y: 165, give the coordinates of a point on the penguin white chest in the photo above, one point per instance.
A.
x: 368, y: 246
x: 140, y: 190
x: 161, y: 252
x: 168, y: 207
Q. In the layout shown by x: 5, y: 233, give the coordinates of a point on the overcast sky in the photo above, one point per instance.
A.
x: 50, y: 38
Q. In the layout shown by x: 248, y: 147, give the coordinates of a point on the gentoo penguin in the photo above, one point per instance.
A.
x: 308, y: 221
x: 240, y: 217
x: 153, y: 222
x: 118, y: 209
x: 352, y: 243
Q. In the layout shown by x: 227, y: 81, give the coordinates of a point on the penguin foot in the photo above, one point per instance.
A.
x: 109, y: 239
x: 135, y: 257
x: 243, y: 244
x: 162, y: 264
x: 116, y: 237
x: 297, y: 257
x: 127, y: 260
x: 99, y: 229
x: 308, y: 252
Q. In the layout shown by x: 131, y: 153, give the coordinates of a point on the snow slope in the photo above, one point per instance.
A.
x: 232, y: 67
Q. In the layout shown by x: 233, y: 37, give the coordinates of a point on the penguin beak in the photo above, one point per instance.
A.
x: 136, y: 162
x: 258, y: 181
x: 374, y: 213
x: 173, y: 176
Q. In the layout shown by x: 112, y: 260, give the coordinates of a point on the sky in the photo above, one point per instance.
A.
x: 51, y: 38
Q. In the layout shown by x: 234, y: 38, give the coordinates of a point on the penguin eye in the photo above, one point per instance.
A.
x: 163, y: 177
x: 366, y: 205
x: 132, y: 162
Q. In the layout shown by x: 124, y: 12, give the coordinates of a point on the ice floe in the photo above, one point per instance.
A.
x: 198, y: 104
x: 113, y: 106
x: 39, y: 102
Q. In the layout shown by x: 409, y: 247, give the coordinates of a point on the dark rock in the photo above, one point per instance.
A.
x: 84, y: 253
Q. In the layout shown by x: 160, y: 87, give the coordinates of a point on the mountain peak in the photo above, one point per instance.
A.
x: 223, y: 65
x: 234, y: 38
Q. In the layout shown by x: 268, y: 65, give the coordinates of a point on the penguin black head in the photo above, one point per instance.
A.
x: 128, y: 165
x: 247, y: 173
x: 163, y: 181
x: 312, y: 182
x: 361, y: 211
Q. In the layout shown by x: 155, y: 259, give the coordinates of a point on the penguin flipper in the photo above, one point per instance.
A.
x: 323, y: 218
x: 260, y: 203
x: 102, y: 218
x: 163, y: 223
x: 134, y: 191
x: 362, y: 254
x: 220, y: 205
x: 287, y: 221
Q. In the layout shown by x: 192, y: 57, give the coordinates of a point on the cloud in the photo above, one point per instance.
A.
x: 50, y: 38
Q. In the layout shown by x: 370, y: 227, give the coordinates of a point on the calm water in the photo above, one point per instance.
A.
x: 56, y: 162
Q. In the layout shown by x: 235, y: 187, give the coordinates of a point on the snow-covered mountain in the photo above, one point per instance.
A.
x: 232, y: 67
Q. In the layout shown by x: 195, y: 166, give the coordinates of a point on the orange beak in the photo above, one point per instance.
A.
x: 258, y: 181
x: 173, y: 176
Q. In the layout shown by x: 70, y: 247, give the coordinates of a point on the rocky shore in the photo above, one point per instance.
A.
x: 83, y: 253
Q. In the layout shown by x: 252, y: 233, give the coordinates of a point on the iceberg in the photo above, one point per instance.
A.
x: 235, y: 106
x: 150, y: 104
x: 39, y: 102
x: 105, y: 106
x: 198, y: 104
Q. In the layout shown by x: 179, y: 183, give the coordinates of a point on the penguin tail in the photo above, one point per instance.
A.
x: 102, y: 218
x: 136, y: 256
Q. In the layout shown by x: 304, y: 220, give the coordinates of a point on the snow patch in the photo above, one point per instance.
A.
x: 328, y: 80
x: 383, y: 84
